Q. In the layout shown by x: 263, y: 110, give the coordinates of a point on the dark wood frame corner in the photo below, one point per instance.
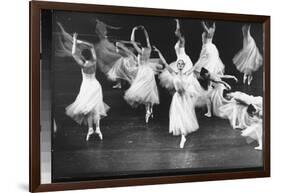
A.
x: 34, y: 100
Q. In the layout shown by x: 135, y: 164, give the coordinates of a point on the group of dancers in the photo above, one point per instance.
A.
x: 198, y: 85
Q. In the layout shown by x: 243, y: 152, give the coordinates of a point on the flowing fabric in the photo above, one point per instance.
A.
x: 125, y: 68
x: 143, y: 89
x: 217, y: 99
x: 182, y: 114
x: 89, y: 101
x: 248, y: 59
x: 253, y: 132
x: 209, y: 58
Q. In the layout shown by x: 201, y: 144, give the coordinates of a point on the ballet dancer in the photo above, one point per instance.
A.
x: 88, y: 106
x: 248, y: 59
x: 253, y: 130
x: 143, y: 89
x: 235, y: 110
x: 125, y: 68
x: 209, y: 57
x: 182, y: 117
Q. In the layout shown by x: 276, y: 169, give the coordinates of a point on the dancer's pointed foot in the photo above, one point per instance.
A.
x: 250, y: 78
x: 147, y: 115
x: 258, y: 148
x: 244, y: 79
x: 90, y: 132
x: 208, y: 114
x: 183, y: 140
x: 98, y: 131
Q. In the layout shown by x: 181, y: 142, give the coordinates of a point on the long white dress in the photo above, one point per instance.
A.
x: 143, y: 89
x: 89, y: 101
x: 209, y: 57
x: 254, y: 131
x: 248, y: 59
x: 182, y: 114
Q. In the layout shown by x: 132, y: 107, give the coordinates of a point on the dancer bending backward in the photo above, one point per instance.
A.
x: 209, y: 57
x: 248, y: 59
x: 88, y: 106
x: 143, y: 89
x: 182, y: 113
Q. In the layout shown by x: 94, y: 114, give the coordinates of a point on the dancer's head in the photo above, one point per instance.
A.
x: 251, y: 110
x: 225, y: 94
x: 204, y: 73
x: 180, y: 64
x: 87, y: 54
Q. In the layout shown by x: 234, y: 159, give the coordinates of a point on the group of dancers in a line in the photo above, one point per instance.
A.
x: 191, y: 85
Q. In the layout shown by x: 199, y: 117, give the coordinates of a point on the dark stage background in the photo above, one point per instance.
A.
x: 129, y: 144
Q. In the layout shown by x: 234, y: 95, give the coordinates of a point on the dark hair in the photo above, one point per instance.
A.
x: 225, y: 92
x: 203, y: 72
x: 87, y: 54
x: 251, y: 109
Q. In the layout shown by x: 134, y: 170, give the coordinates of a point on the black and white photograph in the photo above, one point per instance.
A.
x: 136, y: 96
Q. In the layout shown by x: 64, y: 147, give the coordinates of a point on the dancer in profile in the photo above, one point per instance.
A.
x: 143, y: 89
x: 88, y: 106
x: 248, y: 59
x: 182, y: 113
x: 209, y: 57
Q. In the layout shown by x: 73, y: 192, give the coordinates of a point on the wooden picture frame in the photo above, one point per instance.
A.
x: 34, y: 177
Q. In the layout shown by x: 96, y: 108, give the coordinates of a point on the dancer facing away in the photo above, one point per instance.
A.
x: 182, y: 113
x: 209, y: 57
x: 88, y: 106
x: 248, y: 59
x: 143, y: 89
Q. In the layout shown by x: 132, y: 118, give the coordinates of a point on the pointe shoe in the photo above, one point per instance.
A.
x: 90, y: 132
x: 147, y: 115
x: 208, y: 114
x: 244, y: 79
x: 99, y: 134
x: 183, y: 140
x: 258, y: 148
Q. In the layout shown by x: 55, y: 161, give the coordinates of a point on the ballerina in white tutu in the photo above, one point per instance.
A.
x: 209, y: 57
x: 124, y: 68
x: 182, y: 113
x: 253, y: 130
x: 165, y: 77
x: 143, y: 89
x: 236, y: 108
x: 248, y: 59
x: 88, y: 106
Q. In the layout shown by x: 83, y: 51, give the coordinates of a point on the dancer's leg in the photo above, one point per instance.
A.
x: 250, y: 78
x: 244, y: 78
x: 98, y: 131
x: 148, y: 112
x: 209, y: 107
x: 90, y: 127
x: 183, y: 140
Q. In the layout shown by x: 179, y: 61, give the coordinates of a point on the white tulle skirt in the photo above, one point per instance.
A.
x: 253, y: 132
x: 249, y: 59
x: 124, y: 68
x: 89, y: 101
x: 209, y: 59
x: 143, y: 89
x: 182, y: 115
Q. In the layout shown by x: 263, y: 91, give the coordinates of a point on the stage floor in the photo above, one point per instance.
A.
x: 130, y: 145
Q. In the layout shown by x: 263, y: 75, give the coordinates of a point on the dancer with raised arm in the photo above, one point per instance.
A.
x: 209, y: 57
x: 182, y: 115
x: 248, y: 59
x: 143, y: 89
x: 88, y: 106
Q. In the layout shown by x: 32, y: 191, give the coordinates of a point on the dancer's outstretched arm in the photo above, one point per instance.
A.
x: 133, y: 40
x: 222, y: 82
x: 146, y: 37
x: 163, y: 60
x: 229, y: 76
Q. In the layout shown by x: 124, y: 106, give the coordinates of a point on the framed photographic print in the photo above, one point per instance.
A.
x: 123, y: 96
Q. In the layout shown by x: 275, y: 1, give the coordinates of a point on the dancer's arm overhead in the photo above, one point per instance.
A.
x: 134, y: 41
x: 148, y: 45
x: 163, y: 60
x: 121, y: 46
x: 180, y: 37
